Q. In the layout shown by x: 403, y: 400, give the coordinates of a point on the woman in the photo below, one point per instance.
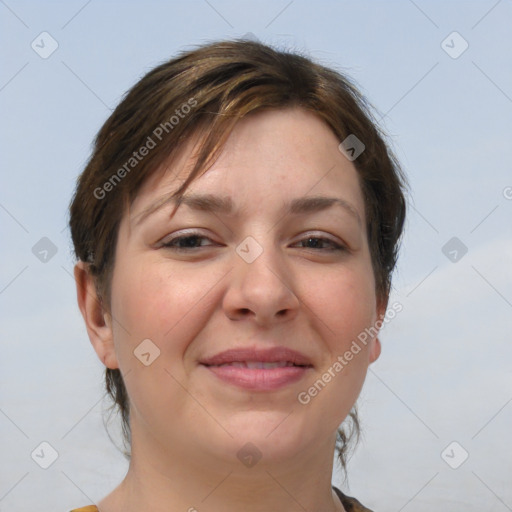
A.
x: 236, y: 229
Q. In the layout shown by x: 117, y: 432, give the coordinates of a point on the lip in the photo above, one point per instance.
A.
x: 266, y: 355
x: 259, y: 379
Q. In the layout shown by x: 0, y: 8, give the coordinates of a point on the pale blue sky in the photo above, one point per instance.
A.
x: 444, y: 374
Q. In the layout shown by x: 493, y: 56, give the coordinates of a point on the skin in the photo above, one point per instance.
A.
x: 187, y: 425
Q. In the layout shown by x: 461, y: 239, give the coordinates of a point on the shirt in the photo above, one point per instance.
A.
x: 350, y: 504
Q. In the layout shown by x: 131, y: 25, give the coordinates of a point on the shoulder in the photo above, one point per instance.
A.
x: 350, y: 504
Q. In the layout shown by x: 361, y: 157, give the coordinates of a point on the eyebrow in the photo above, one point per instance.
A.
x: 224, y: 205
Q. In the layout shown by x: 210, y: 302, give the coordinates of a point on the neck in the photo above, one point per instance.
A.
x: 160, y: 480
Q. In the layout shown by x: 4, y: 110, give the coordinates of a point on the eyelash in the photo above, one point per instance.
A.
x: 170, y: 244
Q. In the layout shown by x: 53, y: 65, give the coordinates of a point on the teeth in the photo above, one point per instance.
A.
x: 259, y: 365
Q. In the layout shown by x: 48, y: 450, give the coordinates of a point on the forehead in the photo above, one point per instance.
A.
x: 276, y: 154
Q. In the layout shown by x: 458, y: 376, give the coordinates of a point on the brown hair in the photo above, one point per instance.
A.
x: 206, y: 91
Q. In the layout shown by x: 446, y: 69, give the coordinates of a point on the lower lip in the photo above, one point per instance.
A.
x: 259, y: 379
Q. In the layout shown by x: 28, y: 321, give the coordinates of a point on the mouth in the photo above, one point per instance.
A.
x: 281, y: 356
x: 258, y: 370
x: 259, y: 365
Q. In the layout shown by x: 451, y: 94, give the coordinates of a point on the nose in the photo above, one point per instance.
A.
x: 262, y: 290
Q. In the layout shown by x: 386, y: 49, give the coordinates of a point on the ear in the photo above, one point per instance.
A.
x: 97, y: 320
x: 376, y: 347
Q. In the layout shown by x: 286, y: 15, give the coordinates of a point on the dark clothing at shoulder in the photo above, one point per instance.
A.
x: 350, y: 504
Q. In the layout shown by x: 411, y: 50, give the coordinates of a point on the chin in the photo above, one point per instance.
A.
x: 275, y: 436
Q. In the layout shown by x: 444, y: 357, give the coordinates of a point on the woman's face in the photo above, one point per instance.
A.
x: 260, y: 276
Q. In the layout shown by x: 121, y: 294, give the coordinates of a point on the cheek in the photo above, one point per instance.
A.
x: 166, y: 305
x: 344, y: 303
x: 343, y: 306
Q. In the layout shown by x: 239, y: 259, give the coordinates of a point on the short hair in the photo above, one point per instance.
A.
x: 205, y: 92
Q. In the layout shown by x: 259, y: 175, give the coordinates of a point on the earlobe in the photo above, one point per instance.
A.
x: 376, y: 347
x: 97, y: 320
x: 375, y: 350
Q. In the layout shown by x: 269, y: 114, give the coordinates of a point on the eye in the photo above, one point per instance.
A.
x: 194, y: 241
x: 186, y: 242
x: 321, y: 243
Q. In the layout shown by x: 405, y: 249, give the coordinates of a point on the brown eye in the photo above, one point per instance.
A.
x: 321, y: 243
x: 186, y: 242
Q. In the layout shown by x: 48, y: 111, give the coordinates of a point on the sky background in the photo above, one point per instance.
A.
x: 444, y: 375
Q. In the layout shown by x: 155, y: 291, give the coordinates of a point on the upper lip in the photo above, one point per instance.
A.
x: 266, y: 355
